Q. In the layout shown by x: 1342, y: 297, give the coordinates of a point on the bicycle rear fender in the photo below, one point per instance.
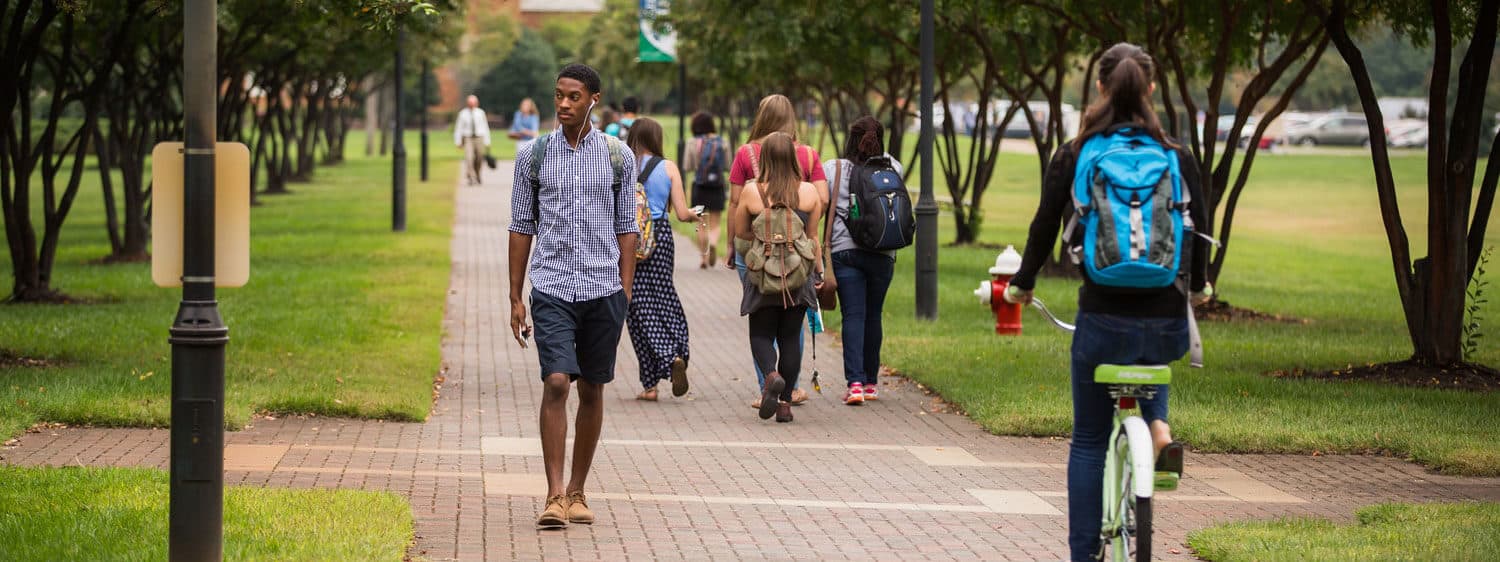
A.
x: 1142, y: 463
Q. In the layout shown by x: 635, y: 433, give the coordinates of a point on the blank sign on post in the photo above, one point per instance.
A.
x: 231, y: 216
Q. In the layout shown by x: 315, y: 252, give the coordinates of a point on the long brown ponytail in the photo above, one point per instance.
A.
x: 1125, y: 72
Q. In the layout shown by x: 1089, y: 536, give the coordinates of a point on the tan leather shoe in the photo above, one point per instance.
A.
x: 798, y: 396
x: 578, y: 509
x: 556, y: 513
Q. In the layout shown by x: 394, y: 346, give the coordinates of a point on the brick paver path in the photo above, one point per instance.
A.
x: 702, y: 477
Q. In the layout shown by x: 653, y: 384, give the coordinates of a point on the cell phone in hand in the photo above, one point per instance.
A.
x: 698, y: 210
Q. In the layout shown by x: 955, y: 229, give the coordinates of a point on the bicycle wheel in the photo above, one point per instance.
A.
x: 1128, y: 523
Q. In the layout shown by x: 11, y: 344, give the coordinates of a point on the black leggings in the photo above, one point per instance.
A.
x: 771, y: 328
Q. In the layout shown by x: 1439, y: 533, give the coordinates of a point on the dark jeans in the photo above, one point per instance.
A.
x: 863, y: 278
x: 1118, y: 340
x: 773, y: 328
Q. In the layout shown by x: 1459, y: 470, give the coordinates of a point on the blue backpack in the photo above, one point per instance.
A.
x: 1129, y: 197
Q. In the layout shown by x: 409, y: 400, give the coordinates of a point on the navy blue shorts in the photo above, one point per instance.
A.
x: 578, y: 339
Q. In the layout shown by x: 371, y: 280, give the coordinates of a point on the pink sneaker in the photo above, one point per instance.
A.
x: 872, y: 393
x: 855, y: 396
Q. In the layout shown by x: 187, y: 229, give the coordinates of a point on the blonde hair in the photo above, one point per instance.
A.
x: 528, y: 107
x: 775, y: 115
x: 780, y: 175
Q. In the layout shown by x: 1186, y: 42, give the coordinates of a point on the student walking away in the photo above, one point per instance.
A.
x: 775, y: 115
x: 628, y: 109
x: 776, y: 230
x: 609, y: 122
x: 471, y: 132
x: 526, y: 123
x: 708, y: 157
x: 573, y: 231
x: 658, y: 327
x: 1133, y: 307
x: 872, y: 217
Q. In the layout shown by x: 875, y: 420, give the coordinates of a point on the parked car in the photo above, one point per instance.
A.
x: 1267, y: 141
x: 1407, y: 133
x: 1226, y: 122
x: 1335, y: 129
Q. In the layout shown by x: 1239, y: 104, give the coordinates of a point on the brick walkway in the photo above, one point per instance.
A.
x: 702, y: 477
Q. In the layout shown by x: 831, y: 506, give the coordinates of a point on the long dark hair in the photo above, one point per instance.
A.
x: 1125, y: 72
x: 645, y: 137
x: 865, y: 140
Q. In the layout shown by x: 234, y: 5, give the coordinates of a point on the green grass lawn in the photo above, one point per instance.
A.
x: 121, y: 514
x: 340, y: 317
x: 1464, y: 531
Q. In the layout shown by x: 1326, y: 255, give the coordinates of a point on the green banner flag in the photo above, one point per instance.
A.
x: 658, y: 39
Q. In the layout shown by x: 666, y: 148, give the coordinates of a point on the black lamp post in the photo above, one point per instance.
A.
x: 423, y: 110
x: 398, y: 149
x: 681, y: 110
x: 198, y: 334
x: 927, y: 209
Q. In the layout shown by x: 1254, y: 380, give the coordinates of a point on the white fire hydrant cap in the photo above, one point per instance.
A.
x: 984, y: 292
x: 1007, y: 263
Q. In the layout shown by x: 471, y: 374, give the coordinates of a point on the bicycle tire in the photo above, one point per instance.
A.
x: 1142, y: 529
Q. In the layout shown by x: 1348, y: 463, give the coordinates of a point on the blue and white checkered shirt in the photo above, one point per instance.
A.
x: 576, y: 255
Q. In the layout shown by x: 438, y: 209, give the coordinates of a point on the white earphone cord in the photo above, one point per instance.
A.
x: 585, y: 124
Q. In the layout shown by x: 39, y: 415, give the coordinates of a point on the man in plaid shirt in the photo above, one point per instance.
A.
x: 574, y: 196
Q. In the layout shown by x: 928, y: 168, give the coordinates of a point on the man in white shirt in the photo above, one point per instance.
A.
x: 471, y: 132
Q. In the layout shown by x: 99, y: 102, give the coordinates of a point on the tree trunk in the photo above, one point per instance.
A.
x: 372, y: 117
x: 1432, y: 288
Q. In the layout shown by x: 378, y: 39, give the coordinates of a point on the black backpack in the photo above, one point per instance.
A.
x: 880, y: 214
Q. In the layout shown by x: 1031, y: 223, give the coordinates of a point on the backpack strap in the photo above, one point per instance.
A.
x: 617, y: 161
x: 538, y: 154
x: 617, y: 164
x: 833, y: 207
x: 754, y: 161
x: 646, y: 172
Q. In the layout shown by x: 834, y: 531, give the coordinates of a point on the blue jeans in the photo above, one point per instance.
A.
x: 760, y: 376
x: 1119, y: 340
x: 864, y: 278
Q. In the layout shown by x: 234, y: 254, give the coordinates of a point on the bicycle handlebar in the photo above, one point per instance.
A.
x: 1042, y: 307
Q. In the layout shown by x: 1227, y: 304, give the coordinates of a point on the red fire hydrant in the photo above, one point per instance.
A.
x: 992, y: 292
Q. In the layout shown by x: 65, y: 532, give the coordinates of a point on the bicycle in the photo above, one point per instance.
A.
x: 1127, y: 498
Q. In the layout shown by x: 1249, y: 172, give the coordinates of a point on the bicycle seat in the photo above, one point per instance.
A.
x: 1133, y: 374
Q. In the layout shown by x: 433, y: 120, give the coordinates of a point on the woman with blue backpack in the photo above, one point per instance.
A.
x: 657, y: 324
x: 1136, y: 196
x: 862, y: 268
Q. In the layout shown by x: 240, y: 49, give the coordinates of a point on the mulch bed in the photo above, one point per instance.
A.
x: 1220, y: 310
x: 12, y: 360
x: 1464, y: 376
